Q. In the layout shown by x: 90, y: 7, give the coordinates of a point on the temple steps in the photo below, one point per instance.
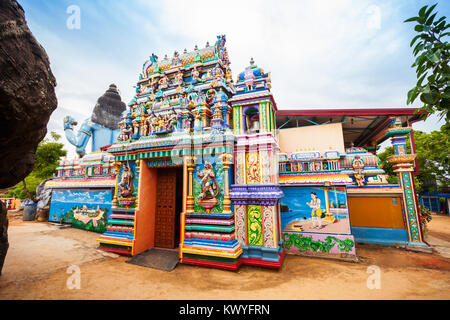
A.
x: 121, y: 222
x: 204, y: 227
x: 119, y: 237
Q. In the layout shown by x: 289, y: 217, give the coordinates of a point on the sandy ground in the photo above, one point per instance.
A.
x: 40, y: 254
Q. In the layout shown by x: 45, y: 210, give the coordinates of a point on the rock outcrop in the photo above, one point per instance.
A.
x: 27, y: 94
x: 4, y: 245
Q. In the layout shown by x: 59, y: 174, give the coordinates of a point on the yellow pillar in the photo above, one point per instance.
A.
x: 227, y: 161
x: 329, y: 216
x: 117, y: 166
x: 138, y: 167
x: 190, y: 198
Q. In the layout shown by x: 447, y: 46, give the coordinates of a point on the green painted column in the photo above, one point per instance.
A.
x: 403, y: 164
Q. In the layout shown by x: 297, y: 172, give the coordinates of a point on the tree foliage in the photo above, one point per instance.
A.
x: 432, y: 151
x: 432, y: 55
x: 432, y: 158
x: 387, y: 166
x: 48, y: 153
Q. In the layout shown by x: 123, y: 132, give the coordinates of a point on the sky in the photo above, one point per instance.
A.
x: 321, y: 54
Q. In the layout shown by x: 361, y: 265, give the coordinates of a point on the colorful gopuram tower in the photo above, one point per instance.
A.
x: 174, y: 162
x: 196, y: 164
x: 256, y: 191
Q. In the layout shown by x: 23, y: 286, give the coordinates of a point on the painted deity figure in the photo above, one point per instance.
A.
x: 218, y: 73
x: 135, y: 129
x: 176, y: 59
x: 160, y: 124
x: 172, y: 121
x: 154, y: 84
x: 125, y: 133
x: 178, y: 78
x: 126, y: 182
x: 249, y: 77
x: 358, y: 165
x: 195, y: 75
x: 153, y: 122
x: 145, y: 127
x: 163, y: 82
x: 210, y: 95
x: 187, y: 123
x: 208, y: 184
x: 316, y: 212
x: 228, y: 76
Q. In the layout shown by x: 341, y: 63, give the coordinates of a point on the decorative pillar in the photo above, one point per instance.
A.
x: 117, y: 166
x: 403, y: 164
x: 240, y: 223
x: 328, y: 216
x: 238, y: 120
x: 269, y: 226
x: 190, y: 163
x: 138, y: 167
x: 227, y: 160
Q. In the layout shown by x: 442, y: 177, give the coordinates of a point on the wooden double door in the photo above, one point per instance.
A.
x: 168, y: 207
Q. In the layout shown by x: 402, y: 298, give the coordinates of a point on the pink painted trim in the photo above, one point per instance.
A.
x: 364, y: 111
x: 118, y: 251
x: 212, y: 222
x: 262, y: 263
x: 75, y: 180
x: 213, y: 264
x: 115, y: 239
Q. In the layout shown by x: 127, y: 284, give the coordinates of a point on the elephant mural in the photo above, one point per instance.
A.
x: 102, y: 126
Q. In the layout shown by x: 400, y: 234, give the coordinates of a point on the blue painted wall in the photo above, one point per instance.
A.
x: 65, y: 201
x: 382, y: 236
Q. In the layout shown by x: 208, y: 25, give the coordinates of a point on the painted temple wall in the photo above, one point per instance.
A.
x: 78, y: 206
x: 333, y: 237
x: 320, y: 138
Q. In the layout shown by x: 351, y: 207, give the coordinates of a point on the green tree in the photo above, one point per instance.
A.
x: 432, y: 151
x: 387, y: 166
x: 432, y: 55
x: 48, y: 153
x: 432, y: 159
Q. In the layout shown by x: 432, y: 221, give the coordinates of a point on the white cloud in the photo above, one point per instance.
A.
x: 340, y: 54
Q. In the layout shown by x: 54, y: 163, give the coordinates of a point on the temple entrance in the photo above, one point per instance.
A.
x: 168, y: 207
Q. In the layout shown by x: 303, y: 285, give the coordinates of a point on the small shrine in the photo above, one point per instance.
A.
x: 82, y: 188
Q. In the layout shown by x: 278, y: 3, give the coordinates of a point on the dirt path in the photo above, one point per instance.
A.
x: 39, y: 255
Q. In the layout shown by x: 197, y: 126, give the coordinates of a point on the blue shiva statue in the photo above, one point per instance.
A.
x: 102, y: 126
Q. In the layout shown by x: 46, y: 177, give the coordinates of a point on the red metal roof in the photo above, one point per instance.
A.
x: 352, y: 111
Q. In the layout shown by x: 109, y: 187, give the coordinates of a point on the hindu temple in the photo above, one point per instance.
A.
x: 212, y: 168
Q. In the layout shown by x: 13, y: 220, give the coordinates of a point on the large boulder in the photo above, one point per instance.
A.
x: 43, y: 195
x: 27, y: 94
x: 4, y: 245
